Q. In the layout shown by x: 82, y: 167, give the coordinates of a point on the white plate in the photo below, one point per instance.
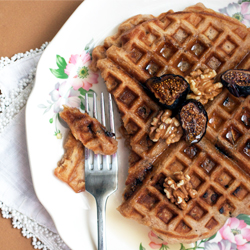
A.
x: 75, y: 214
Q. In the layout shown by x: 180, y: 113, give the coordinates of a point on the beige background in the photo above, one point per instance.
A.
x: 26, y: 25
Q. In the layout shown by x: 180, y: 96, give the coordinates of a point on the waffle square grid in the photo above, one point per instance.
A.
x: 168, y: 45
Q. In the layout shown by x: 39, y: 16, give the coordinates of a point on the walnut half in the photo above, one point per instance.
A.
x: 179, y: 190
x: 202, y: 85
x: 165, y: 127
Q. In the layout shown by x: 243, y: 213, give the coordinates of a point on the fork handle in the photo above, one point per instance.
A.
x: 101, y: 222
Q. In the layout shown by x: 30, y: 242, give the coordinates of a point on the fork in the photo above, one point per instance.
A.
x: 101, y: 176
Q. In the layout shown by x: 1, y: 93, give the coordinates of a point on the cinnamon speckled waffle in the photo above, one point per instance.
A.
x: 219, y: 169
x: 179, y: 43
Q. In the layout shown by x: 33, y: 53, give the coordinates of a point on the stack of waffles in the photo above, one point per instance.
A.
x: 179, y: 43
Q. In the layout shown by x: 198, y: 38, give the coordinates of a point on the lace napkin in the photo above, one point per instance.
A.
x: 17, y: 197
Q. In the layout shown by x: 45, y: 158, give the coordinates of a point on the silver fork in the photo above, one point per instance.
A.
x: 101, y: 175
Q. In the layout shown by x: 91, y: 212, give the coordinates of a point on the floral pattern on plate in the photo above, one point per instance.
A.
x: 156, y: 242
x: 234, y: 235
x: 240, y: 11
x: 78, y: 79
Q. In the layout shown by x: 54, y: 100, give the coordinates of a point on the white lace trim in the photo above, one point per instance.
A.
x: 10, y: 106
x: 4, y: 61
x: 42, y: 238
x: 17, y: 98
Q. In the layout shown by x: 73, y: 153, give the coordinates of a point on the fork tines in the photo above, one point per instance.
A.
x: 97, y: 161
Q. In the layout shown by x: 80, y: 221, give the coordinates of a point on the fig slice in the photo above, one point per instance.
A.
x: 170, y: 90
x: 193, y: 118
x: 237, y: 81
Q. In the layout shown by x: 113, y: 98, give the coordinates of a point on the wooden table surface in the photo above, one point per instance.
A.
x: 26, y: 25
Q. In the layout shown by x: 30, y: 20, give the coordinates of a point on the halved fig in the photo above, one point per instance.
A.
x: 193, y: 118
x: 171, y: 90
x: 237, y: 81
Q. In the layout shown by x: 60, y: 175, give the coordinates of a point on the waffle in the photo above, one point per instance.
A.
x: 70, y: 168
x: 89, y: 131
x: 179, y: 43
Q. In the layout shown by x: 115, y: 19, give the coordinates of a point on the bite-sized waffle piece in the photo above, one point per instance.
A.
x: 89, y: 131
x: 70, y: 168
x: 179, y: 43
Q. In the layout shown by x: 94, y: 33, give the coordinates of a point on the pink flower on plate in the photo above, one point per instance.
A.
x: 221, y: 245
x: 79, y: 73
x: 236, y: 231
x: 64, y: 94
x: 239, y: 11
x: 156, y: 242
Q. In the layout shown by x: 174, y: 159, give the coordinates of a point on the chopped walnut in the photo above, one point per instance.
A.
x: 203, y: 86
x: 179, y: 190
x: 165, y: 127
